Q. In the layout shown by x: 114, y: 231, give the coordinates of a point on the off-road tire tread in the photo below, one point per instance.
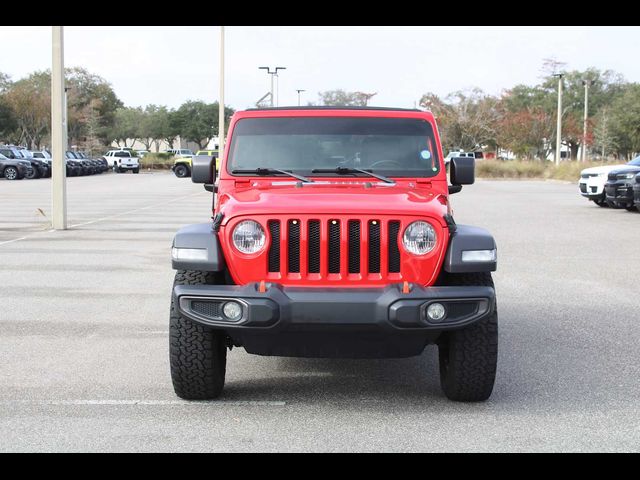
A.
x: 472, y: 352
x: 198, y: 355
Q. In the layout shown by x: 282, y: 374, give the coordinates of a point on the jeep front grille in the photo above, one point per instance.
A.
x: 334, y: 247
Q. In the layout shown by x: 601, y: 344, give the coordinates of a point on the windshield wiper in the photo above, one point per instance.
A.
x: 347, y: 170
x: 271, y: 171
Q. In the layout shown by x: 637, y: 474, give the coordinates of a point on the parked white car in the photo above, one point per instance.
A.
x: 122, y: 160
x: 592, y: 182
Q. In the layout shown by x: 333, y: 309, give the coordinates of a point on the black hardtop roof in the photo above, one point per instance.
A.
x: 335, y: 108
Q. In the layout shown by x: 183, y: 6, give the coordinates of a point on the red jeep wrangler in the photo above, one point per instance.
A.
x: 332, y: 236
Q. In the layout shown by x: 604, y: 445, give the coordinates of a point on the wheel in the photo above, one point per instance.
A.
x: 11, y: 173
x: 136, y: 170
x: 197, y: 354
x: 630, y: 208
x: 469, y: 356
x: 181, y: 171
x: 601, y: 202
x: 32, y: 173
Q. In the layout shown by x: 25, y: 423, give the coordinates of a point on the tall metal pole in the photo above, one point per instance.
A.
x: 586, y: 117
x: 221, y: 102
x: 299, y: 91
x: 274, y: 73
x: 559, y: 127
x: 272, y: 101
x: 58, y: 133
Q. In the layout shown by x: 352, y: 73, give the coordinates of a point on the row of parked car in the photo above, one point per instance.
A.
x: 18, y: 162
x: 615, y: 186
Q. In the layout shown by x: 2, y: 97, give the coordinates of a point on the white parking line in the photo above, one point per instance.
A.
x: 14, y: 240
x: 134, y: 210
x: 146, y: 402
x: 103, y: 218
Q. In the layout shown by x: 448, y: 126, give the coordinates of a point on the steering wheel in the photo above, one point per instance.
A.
x: 393, y: 163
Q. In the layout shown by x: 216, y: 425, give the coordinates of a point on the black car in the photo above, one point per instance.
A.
x: 77, y: 164
x: 37, y: 168
x: 13, y: 168
x: 636, y: 192
x: 619, y: 186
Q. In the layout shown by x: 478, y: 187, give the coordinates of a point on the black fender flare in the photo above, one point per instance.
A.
x: 200, y: 236
x: 468, y: 237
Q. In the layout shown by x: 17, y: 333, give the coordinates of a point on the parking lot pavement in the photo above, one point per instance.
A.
x: 84, y: 336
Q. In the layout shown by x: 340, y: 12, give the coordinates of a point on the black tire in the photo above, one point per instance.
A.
x: 136, y: 170
x: 198, y: 354
x: 32, y: 173
x: 601, y: 202
x: 469, y: 356
x: 632, y: 208
x: 181, y: 171
x: 11, y: 173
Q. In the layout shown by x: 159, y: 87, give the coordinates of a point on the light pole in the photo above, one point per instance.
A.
x: 273, y: 74
x: 559, y: 127
x: 299, y: 92
x: 58, y: 133
x: 587, y: 84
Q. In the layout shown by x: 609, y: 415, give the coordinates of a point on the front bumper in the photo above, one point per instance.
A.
x: 619, y: 192
x: 592, y: 188
x: 332, y: 322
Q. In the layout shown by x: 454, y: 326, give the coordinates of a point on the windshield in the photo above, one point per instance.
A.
x: 400, y: 147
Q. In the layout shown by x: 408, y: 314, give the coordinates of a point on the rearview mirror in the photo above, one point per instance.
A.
x: 462, y: 170
x: 203, y: 169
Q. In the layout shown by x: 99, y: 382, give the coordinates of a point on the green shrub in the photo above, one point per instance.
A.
x: 157, y: 161
x: 569, y: 171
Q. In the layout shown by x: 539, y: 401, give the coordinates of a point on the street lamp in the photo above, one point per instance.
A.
x: 559, y: 127
x: 299, y: 91
x: 587, y: 84
x: 273, y: 74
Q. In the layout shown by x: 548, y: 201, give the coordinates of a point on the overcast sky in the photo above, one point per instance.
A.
x: 169, y: 65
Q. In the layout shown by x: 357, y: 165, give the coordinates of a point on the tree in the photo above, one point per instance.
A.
x: 467, y: 119
x: 126, y: 126
x: 198, y: 121
x: 340, y: 98
x: 90, y: 96
x: 5, y: 82
x: 625, y: 121
x: 30, y: 100
x: 8, y: 121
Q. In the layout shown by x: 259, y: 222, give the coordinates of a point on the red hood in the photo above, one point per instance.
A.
x: 335, y: 197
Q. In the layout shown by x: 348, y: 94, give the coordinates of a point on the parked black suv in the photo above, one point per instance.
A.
x: 12, y: 168
x: 37, y: 168
x: 619, y: 186
x: 636, y: 192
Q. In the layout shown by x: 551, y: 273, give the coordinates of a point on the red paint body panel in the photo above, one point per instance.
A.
x: 267, y: 198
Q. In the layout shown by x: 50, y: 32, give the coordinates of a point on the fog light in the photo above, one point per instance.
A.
x: 436, y: 312
x: 232, y: 310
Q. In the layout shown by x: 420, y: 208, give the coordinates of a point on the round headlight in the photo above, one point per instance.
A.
x: 419, y: 238
x: 249, y: 237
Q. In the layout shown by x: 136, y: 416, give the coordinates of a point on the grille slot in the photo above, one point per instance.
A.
x: 334, y: 246
x: 314, y: 246
x: 394, y: 251
x: 354, y: 246
x: 374, y: 246
x: 207, y: 309
x: 294, y: 246
x: 274, y: 248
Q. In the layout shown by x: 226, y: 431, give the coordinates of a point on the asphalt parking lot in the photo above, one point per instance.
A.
x: 84, y: 336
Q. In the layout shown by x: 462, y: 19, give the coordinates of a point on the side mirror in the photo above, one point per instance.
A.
x: 462, y: 170
x: 203, y: 169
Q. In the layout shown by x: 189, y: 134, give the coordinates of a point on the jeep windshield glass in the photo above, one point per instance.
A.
x: 392, y: 147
